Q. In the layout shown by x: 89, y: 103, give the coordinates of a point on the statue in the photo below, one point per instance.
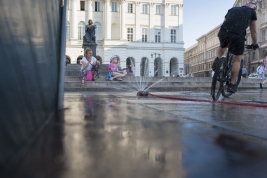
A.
x: 89, y: 36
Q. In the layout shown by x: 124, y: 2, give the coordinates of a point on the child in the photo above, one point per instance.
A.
x: 113, y: 67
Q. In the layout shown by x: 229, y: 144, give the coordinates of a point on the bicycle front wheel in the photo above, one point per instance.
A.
x: 238, y: 79
x: 218, y: 80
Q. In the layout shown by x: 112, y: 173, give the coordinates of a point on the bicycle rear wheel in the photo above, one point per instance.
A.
x: 218, y: 80
x: 238, y: 79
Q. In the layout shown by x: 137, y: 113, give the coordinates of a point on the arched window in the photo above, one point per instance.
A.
x: 68, y: 31
x: 98, y: 33
x: 81, y: 30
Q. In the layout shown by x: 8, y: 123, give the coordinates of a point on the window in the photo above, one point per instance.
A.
x: 130, y: 8
x: 97, y: 6
x: 68, y: 31
x: 81, y: 30
x: 82, y: 5
x: 263, y: 33
x: 114, y: 6
x: 157, y: 9
x: 145, y: 9
x: 157, y: 36
x: 173, y: 10
x: 144, y: 34
x: 98, y: 31
x: 130, y: 34
x: 263, y: 18
x: 173, y: 35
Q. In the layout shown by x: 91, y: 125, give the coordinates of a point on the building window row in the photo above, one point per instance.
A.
x: 145, y: 35
x: 145, y: 9
x: 114, y: 7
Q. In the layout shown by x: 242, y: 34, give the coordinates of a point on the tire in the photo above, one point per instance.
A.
x: 224, y: 91
x: 217, y: 83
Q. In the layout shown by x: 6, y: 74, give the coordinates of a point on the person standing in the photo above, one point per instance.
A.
x: 244, y: 71
x: 260, y: 71
x: 212, y: 73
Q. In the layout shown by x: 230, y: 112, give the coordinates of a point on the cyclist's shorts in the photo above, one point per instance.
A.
x: 236, y: 42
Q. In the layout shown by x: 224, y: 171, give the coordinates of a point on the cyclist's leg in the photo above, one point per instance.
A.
x: 235, y: 68
x: 220, y: 51
x: 237, y: 49
x: 224, y: 41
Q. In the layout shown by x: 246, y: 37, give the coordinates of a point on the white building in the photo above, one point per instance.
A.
x: 148, y: 33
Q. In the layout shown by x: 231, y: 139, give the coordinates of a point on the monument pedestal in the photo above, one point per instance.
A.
x: 92, y: 46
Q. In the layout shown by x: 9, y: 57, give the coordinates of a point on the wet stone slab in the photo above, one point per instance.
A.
x: 111, y: 135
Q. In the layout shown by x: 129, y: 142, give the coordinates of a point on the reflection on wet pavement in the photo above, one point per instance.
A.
x: 117, y: 135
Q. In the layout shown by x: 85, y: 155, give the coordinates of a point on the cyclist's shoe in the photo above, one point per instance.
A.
x: 231, y: 88
x: 261, y: 86
x: 215, y: 63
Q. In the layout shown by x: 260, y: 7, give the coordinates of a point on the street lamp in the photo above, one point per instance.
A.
x: 155, y: 54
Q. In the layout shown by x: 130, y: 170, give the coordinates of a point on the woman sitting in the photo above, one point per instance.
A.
x: 114, y: 68
x: 88, y: 62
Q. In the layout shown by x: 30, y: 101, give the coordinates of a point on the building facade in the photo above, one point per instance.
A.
x: 147, y: 33
x: 198, y: 58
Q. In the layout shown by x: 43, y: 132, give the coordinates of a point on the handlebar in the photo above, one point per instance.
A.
x: 252, y: 46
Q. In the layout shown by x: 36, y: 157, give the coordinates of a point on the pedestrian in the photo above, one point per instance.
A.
x: 265, y: 63
x: 262, y: 83
x: 260, y: 71
x: 244, y: 71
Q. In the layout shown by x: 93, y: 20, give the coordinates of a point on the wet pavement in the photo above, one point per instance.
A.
x: 118, y: 135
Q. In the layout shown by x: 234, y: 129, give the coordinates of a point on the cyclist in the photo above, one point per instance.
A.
x: 233, y: 32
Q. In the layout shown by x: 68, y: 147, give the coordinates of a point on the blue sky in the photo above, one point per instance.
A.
x: 201, y: 16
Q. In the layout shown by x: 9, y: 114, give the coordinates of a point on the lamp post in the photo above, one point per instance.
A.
x: 155, y: 54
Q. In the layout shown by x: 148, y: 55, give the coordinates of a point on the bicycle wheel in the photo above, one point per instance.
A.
x: 224, y: 91
x: 218, y: 80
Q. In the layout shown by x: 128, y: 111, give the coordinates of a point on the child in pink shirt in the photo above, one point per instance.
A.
x: 113, y: 67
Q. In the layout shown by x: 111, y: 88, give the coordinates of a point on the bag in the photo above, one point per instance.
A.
x: 109, y: 75
x: 89, y: 76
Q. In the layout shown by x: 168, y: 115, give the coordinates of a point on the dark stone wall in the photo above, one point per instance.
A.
x: 29, y: 70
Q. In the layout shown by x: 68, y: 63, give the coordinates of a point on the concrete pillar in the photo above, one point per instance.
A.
x: 89, y: 10
x: 151, y: 66
x: 137, y: 66
x: 138, y: 36
x: 74, y: 23
x: 165, y: 31
x: 122, y: 21
x: 151, y: 32
x: 180, y: 23
x: 108, y: 20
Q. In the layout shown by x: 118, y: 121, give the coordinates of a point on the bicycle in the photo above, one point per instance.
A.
x: 222, y: 75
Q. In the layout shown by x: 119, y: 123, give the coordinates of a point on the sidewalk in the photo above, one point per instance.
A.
x: 111, y: 135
